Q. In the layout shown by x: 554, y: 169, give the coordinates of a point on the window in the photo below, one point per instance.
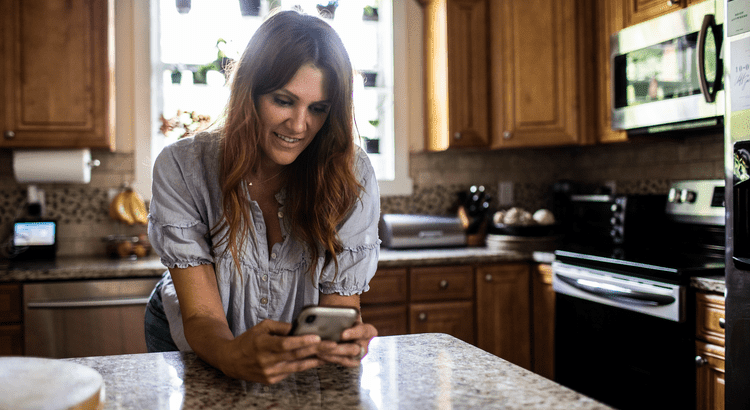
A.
x: 192, y: 46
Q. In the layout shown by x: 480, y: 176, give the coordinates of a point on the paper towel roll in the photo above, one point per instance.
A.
x: 52, y: 166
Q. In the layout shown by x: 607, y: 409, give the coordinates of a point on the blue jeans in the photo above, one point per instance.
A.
x: 158, y: 338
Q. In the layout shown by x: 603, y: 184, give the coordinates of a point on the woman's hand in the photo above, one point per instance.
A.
x: 352, y: 348
x: 265, y: 353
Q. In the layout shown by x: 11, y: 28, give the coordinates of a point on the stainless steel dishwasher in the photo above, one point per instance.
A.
x: 85, y: 318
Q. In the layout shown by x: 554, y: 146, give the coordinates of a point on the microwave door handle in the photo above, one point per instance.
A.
x: 708, y: 94
x: 610, y: 291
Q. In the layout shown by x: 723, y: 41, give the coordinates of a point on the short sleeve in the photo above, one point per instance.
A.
x: 177, y: 230
x: 359, y: 235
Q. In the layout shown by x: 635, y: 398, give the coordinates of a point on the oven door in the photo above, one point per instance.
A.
x: 612, y: 342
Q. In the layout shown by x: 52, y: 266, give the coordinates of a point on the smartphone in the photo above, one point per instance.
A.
x: 325, y: 321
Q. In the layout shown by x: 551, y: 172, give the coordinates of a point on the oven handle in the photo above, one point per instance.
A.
x: 65, y: 304
x: 612, y: 291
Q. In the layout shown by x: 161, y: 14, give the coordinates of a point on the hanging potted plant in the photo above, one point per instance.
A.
x: 329, y: 10
x: 370, y: 12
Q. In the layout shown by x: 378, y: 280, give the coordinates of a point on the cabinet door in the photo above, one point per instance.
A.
x: 456, y: 82
x: 541, y: 54
x: 710, y: 377
x: 609, y: 21
x: 11, y: 340
x: 637, y: 11
x: 453, y: 318
x: 709, y: 317
x: 543, y: 319
x: 57, y: 74
x: 387, y: 286
x: 503, y: 312
x: 389, y: 320
x: 441, y: 283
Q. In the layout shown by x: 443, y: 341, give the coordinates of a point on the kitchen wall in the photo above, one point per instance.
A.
x: 635, y: 167
x: 639, y: 166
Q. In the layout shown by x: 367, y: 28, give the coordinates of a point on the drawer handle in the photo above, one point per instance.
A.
x: 422, y: 317
x: 488, y: 278
x: 443, y: 284
x: 722, y: 323
x: 700, y: 361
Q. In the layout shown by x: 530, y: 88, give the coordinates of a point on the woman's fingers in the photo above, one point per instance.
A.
x: 362, y: 331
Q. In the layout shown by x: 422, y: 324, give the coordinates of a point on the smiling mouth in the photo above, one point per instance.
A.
x: 287, y: 139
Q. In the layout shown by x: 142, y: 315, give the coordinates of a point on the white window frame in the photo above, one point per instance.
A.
x: 146, y: 78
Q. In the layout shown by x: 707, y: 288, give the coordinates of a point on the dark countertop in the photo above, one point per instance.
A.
x: 73, y: 268
x: 423, y: 371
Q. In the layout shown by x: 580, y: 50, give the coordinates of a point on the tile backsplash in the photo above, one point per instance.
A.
x: 639, y: 166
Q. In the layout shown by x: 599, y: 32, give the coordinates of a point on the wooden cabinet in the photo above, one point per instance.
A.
x: 11, y: 318
x: 424, y: 299
x: 442, y: 301
x: 57, y: 74
x: 541, y: 54
x: 385, y: 304
x: 709, y: 347
x: 637, y: 11
x: 610, y: 20
x: 503, y: 312
x: 543, y: 321
x: 456, y: 73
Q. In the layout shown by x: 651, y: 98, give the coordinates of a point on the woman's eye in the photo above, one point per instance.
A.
x: 320, y: 109
x: 282, y: 102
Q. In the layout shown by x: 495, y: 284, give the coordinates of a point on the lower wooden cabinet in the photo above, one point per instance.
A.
x: 453, y: 318
x: 384, y: 305
x: 503, y: 312
x: 389, y: 320
x: 709, y: 377
x: 709, y: 351
x: 11, y: 328
x: 543, y: 321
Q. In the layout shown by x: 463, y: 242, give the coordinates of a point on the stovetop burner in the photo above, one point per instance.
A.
x: 689, y: 243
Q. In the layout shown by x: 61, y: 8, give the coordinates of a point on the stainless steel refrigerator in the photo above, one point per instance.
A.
x: 736, y: 53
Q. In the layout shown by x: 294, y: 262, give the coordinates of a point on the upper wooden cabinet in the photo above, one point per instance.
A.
x: 541, y: 54
x: 610, y: 19
x: 455, y: 73
x: 637, y: 11
x: 57, y: 73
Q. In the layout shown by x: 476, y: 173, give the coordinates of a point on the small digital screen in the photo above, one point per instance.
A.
x: 34, y: 234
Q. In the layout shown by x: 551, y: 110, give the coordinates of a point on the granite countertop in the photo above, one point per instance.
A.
x: 424, y: 371
x: 70, y: 268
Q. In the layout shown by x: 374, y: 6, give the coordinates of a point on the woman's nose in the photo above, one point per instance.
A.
x: 298, y: 121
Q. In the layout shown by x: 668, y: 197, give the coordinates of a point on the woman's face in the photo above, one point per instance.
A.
x: 292, y: 115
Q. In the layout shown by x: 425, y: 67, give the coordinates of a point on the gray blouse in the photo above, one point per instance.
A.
x: 186, y: 204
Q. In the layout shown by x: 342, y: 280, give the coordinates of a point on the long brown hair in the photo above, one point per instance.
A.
x: 324, y: 187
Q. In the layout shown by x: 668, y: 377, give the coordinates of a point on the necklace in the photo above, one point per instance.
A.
x: 261, y: 182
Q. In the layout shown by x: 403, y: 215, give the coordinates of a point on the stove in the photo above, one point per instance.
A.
x: 624, y: 310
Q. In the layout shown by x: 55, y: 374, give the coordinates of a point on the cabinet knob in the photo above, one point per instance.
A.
x: 507, y: 135
x: 722, y: 323
x: 488, y: 278
x: 443, y: 284
x: 422, y: 317
x: 700, y: 361
x: 9, y: 135
x: 457, y: 135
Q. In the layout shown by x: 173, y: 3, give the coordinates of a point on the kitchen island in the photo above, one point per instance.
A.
x: 421, y: 371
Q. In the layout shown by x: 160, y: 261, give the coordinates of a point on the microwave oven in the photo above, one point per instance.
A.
x: 667, y: 72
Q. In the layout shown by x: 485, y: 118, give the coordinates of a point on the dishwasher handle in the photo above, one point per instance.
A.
x: 617, y: 292
x: 93, y: 303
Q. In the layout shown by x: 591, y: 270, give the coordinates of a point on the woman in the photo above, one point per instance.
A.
x: 276, y: 210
